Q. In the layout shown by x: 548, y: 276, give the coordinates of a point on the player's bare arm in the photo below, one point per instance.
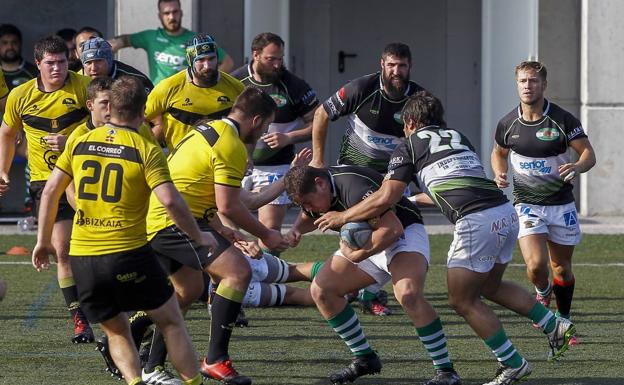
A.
x: 386, y: 231
x: 587, y: 159
x: 7, y: 152
x: 499, y: 165
x: 119, y: 42
x: 256, y: 199
x: 54, y: 188
x: 229, y: 204
x: 373, y: 206
x: 319, y: 133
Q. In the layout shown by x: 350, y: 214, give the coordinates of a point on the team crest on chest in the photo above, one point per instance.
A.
x: 279, y: 100
x: 547, y: 134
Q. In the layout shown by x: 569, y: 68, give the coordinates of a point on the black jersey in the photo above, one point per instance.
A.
x: 374, y: 124
x: 537, y: 150
x: 24, y: 73
x: 443, y: 163
x: 294, y: 99
x: 123, y: 69
x: 352, y: 184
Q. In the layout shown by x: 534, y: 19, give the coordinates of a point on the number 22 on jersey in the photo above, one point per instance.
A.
x: 436, y: 137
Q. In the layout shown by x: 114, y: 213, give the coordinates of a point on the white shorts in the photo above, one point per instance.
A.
x: 265, y: 175
x: 484, y: 238
x: 413, y: 240
x: 559, y: 222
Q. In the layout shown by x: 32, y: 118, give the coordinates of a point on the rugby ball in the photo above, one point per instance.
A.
x: 356, y: 234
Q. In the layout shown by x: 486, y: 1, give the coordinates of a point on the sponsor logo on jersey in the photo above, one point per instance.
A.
x: 110, y: 135
x: 332, y: 107
x: 280, y: 100
x: 396, y: 160
x: 223, y: 99
x: 388, y: 175
x: 575, y: 132
x: 309, y: 97
x: 81, y: 220
x: 547, y: 134
x: 385, y: 142
x: 69, y: 102
x: 570, y: 218
x: 106, y: 150
x: 340, y: 96
x: 169, y: 59
x: 397, y: 117
x: 161, y: 39
x: 187, y: 102
x: 50, y: 158
x: 536, y: 165
x: 34, y: 108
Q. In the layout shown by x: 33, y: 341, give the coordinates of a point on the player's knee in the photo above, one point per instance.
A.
x: 409, y: 296
x: 188, y: 294
x: 319, y: 294
x: 459, y: 304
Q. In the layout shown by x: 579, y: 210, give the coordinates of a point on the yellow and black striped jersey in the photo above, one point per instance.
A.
x: 182, y: 104
x: 210, y: 154
x: 114, y: 169
x: 83, y: 128
x: 4, y: 89
x: 41, y: 113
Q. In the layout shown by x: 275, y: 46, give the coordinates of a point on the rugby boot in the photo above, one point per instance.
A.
x: 101, y: 346
x: 83, y: 334
x: 360, y: 366
x: 224, y: 372
x: 446, y: 376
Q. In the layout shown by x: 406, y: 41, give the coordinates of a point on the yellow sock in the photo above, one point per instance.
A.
x: 136, y: 381
x: 197, y: 380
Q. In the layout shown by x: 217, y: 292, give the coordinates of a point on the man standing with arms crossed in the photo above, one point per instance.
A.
x: 48, y: 108
x: 538, y: 134
x: 115, y: 268
x: 165, y: 46
x: 296, y: 102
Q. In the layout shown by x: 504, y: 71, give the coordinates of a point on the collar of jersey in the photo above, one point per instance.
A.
x: 546, y: 110
x: 250, y: 71
x: 109, y: 124
x: 233, y: 123
x: 46, y: 92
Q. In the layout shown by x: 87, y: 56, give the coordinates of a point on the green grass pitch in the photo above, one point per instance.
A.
x: 295, y: 346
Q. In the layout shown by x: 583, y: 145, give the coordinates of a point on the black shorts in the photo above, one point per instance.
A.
x: 113, y: 283
x: 65, y: 211
x: 175, y: 249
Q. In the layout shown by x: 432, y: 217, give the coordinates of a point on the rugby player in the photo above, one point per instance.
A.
x: 536, y: 135
x: 195, y: 93
x: 296, y: 102
x: 115, y: 169
x: 391, y: 254
x: 48, y: 108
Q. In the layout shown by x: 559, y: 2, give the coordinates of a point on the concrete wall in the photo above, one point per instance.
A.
x: 602, y: 104
x: 224, y: 20
x: 509, y: 36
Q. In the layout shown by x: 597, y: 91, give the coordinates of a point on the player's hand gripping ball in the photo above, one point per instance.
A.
x: 356, y: 234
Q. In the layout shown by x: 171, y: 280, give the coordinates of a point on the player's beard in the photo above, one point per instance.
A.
x: 395, y: 86
x: 172, y: 26
x: 10, y: 56
x: 208, y: 76
x: 269, y: 74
